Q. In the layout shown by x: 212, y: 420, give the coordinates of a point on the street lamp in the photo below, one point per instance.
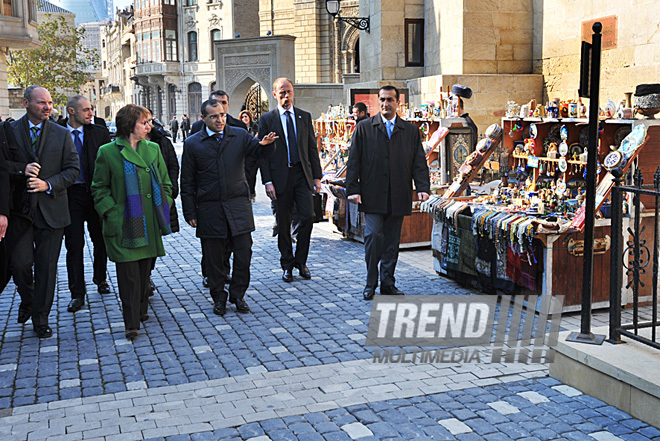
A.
x: 334, y: 8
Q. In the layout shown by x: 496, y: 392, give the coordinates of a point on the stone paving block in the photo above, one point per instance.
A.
x: 356, y: 430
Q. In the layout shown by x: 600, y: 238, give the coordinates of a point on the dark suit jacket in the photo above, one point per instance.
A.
x: 5, y: 189
x: 214, y: 189
x: 94, y: 136
x: 231, y: 121
x: 377, y: 163
x: 276, y: 169
x: 59, y: 166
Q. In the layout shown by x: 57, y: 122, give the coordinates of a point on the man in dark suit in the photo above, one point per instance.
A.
x: 49, y: 164
x: 222, y: 97
x: 87, y: 138
x: 386, y: 156
x: 185, y: 126
x: 216, y: 200
x: 291, y: 175
x: 174, y: 128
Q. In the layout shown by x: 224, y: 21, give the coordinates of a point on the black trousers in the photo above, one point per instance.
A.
x: 295, y: 192
x: 382, y: 235
x: 81, y: 209
x: 39, y: 246
x: 133, y: 283
x: 213, y: 252
x: 225, y: 260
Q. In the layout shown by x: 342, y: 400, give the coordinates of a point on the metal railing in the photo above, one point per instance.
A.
x: 638, y: 255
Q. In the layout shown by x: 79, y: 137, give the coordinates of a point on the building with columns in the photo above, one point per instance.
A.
x: 18, y: 30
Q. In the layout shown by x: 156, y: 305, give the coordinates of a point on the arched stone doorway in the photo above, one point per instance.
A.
x: 251, y: 96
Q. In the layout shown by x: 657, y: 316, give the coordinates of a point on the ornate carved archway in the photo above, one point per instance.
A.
x: 260, y: 60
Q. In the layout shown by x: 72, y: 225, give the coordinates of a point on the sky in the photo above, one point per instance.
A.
x: 122, y: 4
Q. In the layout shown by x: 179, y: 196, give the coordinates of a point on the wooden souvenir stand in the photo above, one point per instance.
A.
x: 562, y: 253
x: 416, y: 228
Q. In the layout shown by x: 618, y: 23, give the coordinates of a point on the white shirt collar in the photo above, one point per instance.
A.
x: 385, y: 120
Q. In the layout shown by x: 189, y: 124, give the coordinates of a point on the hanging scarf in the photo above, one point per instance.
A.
x: 134, y: 227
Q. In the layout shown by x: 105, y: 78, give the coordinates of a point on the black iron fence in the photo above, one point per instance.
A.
x: 636, y: 252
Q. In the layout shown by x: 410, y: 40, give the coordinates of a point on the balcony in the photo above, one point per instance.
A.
x: 151, y: 68
x: 110, y: 89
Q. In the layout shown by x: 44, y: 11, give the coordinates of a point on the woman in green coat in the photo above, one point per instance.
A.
x: 132, y: 193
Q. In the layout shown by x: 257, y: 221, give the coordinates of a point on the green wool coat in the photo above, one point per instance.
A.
x: 109, y: 192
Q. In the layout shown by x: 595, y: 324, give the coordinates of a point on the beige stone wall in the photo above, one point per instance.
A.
x: 635, y: 60
x: 246, y: 17
x: 310, y: 23
x: 382, y: 51
x: 315, y: 98
x: 443, y: 45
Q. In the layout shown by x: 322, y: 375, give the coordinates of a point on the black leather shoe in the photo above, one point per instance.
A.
x: 131, y: 334
x: 24, y: 314
x: 205, y: 282
x: 241, y: 306
x: 368, y: 293
x: 43, y: 331
x: 227, y: 280
x: 144, y: 318
x: 75, y: 304
x: 390, y: 291
x: 287, y: 276
x: 220, y: 308
x: 103, y: 287
x: 304, y: 273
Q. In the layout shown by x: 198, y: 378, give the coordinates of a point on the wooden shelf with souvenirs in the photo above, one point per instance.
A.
x: 526, y: 226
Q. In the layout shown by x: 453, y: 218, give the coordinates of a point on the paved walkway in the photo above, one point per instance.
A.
x: 294, y: 369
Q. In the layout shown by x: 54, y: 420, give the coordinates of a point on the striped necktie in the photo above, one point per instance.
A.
x: 35, y: 136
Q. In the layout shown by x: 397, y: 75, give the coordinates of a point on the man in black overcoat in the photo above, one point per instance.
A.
x: 222, y: 97
x: 291, y: 175
x: 87, y: 138
x: 216, y: 200
x: 386, y: 156
x: 48, y: 164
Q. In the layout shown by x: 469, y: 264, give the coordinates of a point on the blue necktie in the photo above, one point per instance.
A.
x: 294, y: 157
x: 390, y: 126
x: 79, y: 147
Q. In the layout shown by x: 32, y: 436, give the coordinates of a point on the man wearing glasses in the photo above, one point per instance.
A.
x: 216, y: 200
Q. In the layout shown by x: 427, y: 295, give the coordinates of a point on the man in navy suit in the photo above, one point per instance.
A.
x: 291, y: 175
x: 48, y: 165
x: 87, y: 137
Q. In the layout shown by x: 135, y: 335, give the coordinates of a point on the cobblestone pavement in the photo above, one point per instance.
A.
x: 296, y: 368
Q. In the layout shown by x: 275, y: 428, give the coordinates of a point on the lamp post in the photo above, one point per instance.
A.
x: 334, y: 8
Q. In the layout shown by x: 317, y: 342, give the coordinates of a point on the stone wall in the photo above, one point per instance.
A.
x: 557, y: 37
x: 315, y: 98
x: 246, y: 18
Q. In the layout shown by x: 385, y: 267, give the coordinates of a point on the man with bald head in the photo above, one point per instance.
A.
x: 291, y: 175
x: 87, y: 137
x: 47, y: 164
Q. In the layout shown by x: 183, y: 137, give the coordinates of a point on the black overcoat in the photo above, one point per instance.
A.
x: 214, y: 189
x: 172, y: 163
x: 379, y: 166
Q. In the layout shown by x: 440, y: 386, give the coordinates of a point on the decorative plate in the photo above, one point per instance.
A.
x: 583, y: 137
x: 563, y: 165
x: 554, y: 133
x: 613, y: 160
x: 563, y: 148
x: 621, y: 134
x: 563, y: 133
x: 575, y: 149
x: 533, y: 131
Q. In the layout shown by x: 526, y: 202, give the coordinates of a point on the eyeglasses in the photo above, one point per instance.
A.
x: 216, y: 116
x: 147, y: 122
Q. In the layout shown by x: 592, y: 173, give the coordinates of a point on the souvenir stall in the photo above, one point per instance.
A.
x: 526, y: 237
x: 442, y: 138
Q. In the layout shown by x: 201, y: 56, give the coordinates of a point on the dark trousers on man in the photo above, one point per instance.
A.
x: 133, y: 284
x: 382, y: 234
x: 81, y: 208
x: 213, y: 252
x: 296, y: 191
x: 39, y: 246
